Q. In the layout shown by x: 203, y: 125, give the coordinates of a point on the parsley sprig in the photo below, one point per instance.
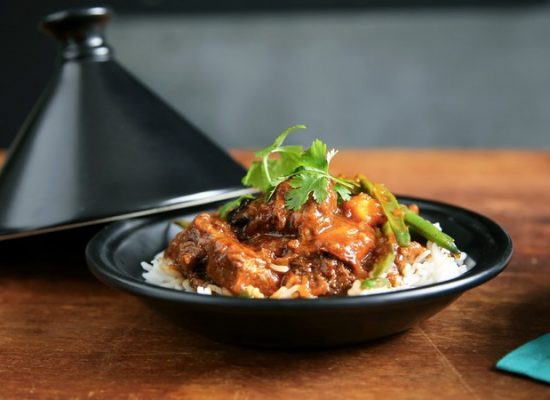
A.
x: 308, y: 171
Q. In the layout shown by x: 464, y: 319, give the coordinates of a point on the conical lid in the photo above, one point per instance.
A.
x: 100, y: 146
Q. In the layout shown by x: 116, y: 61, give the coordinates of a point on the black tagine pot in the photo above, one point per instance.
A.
x: 100, y: 146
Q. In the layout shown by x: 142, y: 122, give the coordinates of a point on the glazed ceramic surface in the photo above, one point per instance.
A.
x: 114, y: 256
x: 101, y: 146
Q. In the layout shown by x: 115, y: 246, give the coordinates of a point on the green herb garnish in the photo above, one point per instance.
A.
x: 308, y: 171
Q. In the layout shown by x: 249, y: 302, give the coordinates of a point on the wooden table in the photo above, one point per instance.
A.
x: 65, y: 335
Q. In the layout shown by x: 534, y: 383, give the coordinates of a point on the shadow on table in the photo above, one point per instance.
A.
x: 177, y: 357
x: 51, y: 253
x: 528, y: 319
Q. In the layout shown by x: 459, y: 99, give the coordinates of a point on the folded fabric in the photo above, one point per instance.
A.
x: 531, y: 359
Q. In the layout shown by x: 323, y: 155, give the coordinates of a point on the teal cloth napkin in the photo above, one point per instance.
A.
x: 531, y: 359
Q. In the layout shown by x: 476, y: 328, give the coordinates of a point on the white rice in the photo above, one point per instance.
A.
x: 161, y: 272
x: 434, y: 265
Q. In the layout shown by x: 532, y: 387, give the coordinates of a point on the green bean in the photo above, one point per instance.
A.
x: 374, y: 283
x: 392, y: 209
x: 385, y: 261
x: 427, y: 230
x: 232, y: 205
x: 182, y: 223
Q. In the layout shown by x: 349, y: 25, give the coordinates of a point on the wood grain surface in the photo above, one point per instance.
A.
x: 65, y: 335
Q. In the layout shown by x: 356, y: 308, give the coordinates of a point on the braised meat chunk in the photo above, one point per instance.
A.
x: 320, y: 249
x: 210, y: 244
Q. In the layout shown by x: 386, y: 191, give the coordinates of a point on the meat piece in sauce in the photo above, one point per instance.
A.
x: 319, y: 228
x: 210, y: 243
x: 319, y: 276
x: 322, y: 248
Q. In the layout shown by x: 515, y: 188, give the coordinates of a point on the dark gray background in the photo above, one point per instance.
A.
x: 401, y: 77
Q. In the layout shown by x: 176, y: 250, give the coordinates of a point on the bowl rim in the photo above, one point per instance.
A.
x: 116, y: 232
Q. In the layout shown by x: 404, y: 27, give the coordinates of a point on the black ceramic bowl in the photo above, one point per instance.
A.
x: 114, y: 256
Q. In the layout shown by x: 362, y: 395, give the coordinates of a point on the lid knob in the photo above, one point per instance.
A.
x: 81, y: 32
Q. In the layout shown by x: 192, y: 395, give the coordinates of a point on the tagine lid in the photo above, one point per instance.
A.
x: 100, y: 146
